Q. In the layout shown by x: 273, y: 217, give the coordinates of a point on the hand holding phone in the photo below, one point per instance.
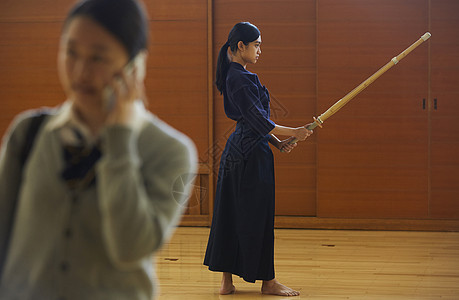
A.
x: 137, y: 64
x: 124, y: 88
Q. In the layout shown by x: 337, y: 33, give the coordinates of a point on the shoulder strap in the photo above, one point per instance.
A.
x: 34, y: 126
x: 29, y: 140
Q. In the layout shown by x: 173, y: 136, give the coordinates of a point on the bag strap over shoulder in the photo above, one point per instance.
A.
x: 34, y: 126
x: 29, y: 140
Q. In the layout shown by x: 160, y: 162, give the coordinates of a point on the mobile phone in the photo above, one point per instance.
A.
x: 137, y: 63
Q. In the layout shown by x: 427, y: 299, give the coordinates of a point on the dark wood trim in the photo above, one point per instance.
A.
x: 210, y: 101
x: 343, y: 224
x: 195, y: 221
x: 366, y: 224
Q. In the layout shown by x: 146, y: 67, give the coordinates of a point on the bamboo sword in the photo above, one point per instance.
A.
x: 343, y: 101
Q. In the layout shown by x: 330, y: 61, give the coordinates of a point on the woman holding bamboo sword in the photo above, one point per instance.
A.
x: 241, y: 240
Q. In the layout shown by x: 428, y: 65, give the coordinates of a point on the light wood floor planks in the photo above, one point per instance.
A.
x: 325, y: 264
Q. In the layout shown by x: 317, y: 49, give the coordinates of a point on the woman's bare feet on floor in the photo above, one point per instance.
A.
x: 274, y: 287
x: 227, y: 284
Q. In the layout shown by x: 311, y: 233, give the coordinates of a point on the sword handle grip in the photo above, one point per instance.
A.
x: 317, y: 123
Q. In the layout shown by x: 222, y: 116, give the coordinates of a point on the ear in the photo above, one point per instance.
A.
x: 140, y: 63
x: 241, y: 46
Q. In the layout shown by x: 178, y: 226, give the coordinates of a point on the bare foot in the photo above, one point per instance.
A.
x: 227, y: 284
x: 274, y: 287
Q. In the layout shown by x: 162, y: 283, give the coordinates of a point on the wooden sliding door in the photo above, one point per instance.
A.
x: 372, y: 155
x: 444, y: 110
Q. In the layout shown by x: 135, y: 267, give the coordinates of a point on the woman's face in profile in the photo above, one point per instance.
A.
x: 89, y: 57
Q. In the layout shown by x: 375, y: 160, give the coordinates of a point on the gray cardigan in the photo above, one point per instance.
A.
x: 95, y: 243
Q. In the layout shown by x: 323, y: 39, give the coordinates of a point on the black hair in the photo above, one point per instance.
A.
x: 125, y: 19
x: 243, y: 31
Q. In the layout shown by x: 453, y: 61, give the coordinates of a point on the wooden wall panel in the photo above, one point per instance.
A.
x: 177, y: 10
x: 444, y: 181
x: 287, y: 66
x: 177, y: 83
x: 34, y: 11
x: 370, y: 205
x: 177, y: 75
x: 177, y: 80
x: 357, y: 177
x: 28, y: 60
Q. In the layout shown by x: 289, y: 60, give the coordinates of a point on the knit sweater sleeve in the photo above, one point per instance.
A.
x: 143, y: 185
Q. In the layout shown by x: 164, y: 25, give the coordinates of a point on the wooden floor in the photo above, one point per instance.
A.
x: 325, y: 264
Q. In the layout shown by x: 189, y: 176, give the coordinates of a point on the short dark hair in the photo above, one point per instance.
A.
x: 125, y: 19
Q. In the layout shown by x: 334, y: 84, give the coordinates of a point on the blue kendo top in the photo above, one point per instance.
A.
x: 245, y: 98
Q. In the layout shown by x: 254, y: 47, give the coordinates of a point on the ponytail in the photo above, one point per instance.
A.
x: 243, y: 31
x: 223, y: 63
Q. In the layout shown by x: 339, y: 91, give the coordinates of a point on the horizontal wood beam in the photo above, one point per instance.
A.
x: 366, y: 224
